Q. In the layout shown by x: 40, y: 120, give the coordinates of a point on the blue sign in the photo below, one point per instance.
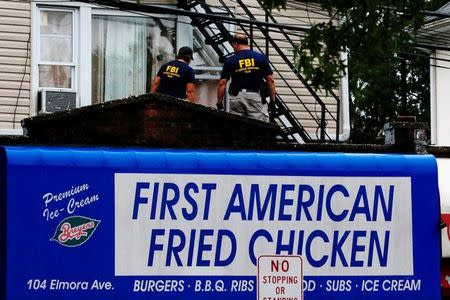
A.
x: 106, y: 223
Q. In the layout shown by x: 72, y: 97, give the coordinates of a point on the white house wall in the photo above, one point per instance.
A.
x: 442, y: 98
x: 15, y: 56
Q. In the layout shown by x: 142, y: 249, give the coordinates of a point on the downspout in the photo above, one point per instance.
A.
x: 345, y: 102
x: 433, y: 99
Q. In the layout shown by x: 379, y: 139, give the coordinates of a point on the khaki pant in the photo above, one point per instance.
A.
x: 249, y: 104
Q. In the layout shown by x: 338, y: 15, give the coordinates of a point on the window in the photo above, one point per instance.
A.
x: 126, y: 52
x: 101, y: 54
x: 56, y: 49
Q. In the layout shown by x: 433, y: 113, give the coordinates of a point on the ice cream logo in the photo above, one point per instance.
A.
x: 74, y: 231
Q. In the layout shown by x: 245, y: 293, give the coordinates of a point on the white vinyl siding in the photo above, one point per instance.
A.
x: 15, y: 60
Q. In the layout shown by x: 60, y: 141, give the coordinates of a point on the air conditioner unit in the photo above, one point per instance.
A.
x: 56, y: 100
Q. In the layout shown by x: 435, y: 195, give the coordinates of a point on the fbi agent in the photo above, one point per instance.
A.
x: 176, y: 78
x: 250, y: 75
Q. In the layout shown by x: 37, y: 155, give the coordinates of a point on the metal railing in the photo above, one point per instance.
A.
x: 322, y: 123
x: 220, y: 35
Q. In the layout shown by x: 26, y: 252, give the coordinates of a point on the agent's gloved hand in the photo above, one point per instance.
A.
x: 219, y: 105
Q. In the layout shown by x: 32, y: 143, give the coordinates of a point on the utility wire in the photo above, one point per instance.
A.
x: 318, y: 15
x: 146, y: 15
x: 291, y: 33
x: 425, y: 56
x: 234, y: 22
x: 175, y: 11
x: 280, y: 28
x: 22, y: 80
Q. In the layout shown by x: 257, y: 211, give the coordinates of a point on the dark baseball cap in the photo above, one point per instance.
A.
x: 186, y: 51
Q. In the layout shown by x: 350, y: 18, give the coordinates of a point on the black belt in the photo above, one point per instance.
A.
x: 249, y: 91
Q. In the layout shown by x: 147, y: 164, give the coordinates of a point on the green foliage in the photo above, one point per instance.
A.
x: 377, y: 95
x: 377, y: 25
x: 377, y: 35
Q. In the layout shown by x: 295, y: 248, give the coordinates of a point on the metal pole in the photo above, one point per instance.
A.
x: 267, y: 40
x: 403, y: 86
x: 251, y: 36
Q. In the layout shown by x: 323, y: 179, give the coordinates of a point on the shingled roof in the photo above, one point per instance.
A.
x: 151, y: 120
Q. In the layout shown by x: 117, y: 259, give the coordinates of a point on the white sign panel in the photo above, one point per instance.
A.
x: 202, y: 224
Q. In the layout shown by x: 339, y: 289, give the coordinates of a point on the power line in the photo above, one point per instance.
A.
x: 292, y: 30
x: 22, y: 80
x: 321, y: 14
x: 181, y: 12
x: 230, y: 20
x: 425, y: 56
x: 439, y: 67
x: 435, y: 14
x: 432, y: 47
x: 235, y: 20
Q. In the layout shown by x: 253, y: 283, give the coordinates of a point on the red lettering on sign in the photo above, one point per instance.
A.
x: 275, y: 265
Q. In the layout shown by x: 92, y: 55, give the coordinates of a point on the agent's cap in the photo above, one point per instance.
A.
x: 186, y: 52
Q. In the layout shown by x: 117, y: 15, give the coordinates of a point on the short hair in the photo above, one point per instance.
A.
x: 239, y: 39
x: 185, y: 53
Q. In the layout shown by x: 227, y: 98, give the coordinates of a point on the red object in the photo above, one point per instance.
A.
x: 445, y: 279
x: 446, y: 219
x: 445, y: 264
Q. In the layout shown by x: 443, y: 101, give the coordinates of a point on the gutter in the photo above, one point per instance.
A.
x: 433, y: 101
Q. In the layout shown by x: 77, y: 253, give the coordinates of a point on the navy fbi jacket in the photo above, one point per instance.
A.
x: 247, y: 70
x: 174, y: 76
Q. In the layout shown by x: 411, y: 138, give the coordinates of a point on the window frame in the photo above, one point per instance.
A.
x: 36, y: 8
x: 82, y: 14
x: 73, y: 63
x: 97, y: 11
x: 44, y: 62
